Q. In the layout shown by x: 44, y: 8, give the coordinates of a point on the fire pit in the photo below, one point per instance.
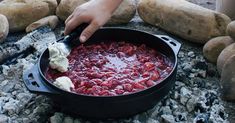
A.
x: 195, y: 97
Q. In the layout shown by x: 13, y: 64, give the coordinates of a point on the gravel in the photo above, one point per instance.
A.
x: 195, y: 97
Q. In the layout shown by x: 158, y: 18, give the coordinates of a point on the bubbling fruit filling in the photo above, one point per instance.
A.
x: 113, y: 68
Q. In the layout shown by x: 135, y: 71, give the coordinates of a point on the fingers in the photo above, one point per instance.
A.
x: 68, y: 19
x: 89, y: 31
x: 72, y: 23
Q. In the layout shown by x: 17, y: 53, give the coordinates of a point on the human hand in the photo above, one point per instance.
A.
x: 95, y: 12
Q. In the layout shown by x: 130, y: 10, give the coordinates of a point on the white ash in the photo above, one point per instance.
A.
x: 194, y: 98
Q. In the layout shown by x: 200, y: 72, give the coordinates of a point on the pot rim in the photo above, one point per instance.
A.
x: 157, y: 86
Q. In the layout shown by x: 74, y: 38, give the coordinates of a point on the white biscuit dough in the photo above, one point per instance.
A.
x: 58, y: 57
x: 64, y: 83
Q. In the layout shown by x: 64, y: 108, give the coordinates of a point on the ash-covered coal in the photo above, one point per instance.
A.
x: 194, y: 99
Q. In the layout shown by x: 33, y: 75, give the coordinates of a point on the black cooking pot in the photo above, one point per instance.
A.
x: 110, y: 106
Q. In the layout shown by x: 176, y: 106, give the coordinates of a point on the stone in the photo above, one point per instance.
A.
x: 152, y: 121
x: 57, y: 118
x: 21, y: 13
x: 4, y: 28
x: 51, y: 21
x: 167, y: 119
x: 231, y: 30
x: 68, y: 120
x: 228, y: 79
x: 215, y: 46
x: 190, y: 105
x: 185, y: 95
x: 166, y: 110
x: 3, y: 118
x: 224, y: 55
x: 123, y: 14
x: 11, y: 107
x: 24, y: 98
x: 191, y: 54
x: 187, y: 67
x: 77, y: 121
x: 184, y: 19
x: 201, y: 118
x: 180, y: 116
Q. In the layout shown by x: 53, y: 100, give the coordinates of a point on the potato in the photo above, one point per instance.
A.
x: 184, y: 19
x: 123, y: 14
x: 21, y: 13
x: 52, y: 21
x: 224, y: 55
x: 214, y: 47
x: 231, y: 29
x: 4, y: 28
x: 228, y: 79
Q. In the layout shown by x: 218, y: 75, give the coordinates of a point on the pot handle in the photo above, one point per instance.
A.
x: 175, y: 45
x: 33, y: 82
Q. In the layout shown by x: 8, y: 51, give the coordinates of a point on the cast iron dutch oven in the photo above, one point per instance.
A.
x: 110, y: 106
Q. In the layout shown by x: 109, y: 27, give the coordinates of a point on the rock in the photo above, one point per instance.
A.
x: 218, y: 114
x: 201, y: 118
x: 7, y: 86
x: 4, y: 28
x: 24, y: 98
x: 57, y: 118
x: 123, y: 14
x: 191, y: 54
x: 77, y: 121
x: 52, y: 4
x: 68, y: 120
x: 11, y: 107
x: 3, y: 118
x: 52, y: 21
x: 21, y: 13
x: 187, y: 67
x: 214, y: 47
x: 185, y: 95
x: 167, y: 119
x: 185, y: 19
x: 231, y: 29
x: 224, y: 55
x: 190, y: 105
x: 166, y: 110
x: 228, y: 79
x: 152, y: 121
x: 180, y: 116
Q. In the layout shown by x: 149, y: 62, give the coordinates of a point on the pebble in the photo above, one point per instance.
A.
x: 187, y: 67
x: 190, y: 105
x: 152, y: 121
x: 3, y: 118
x: 77, y: 121
x: 181, y: 54
x: 191, y: 54
x: 57, y: 118
x: 180, y: 116
x: 11, y: 107
x: 201, y: 118
x: 68, y: 120
x: 166, y: 110
x: 24, y: 97
x: 185, y: 94
x: 167, y: 119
